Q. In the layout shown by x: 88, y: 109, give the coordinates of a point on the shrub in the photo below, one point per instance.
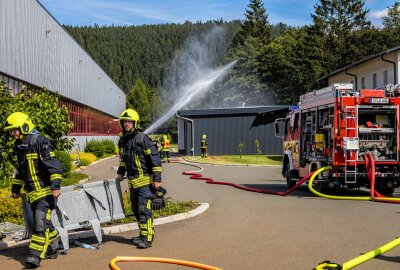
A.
x: 84, y: 162
x: 85, y: 158
x: 10, y: 209
x: 95, y: 147
x: 109, y: 146
x: 66, y: 162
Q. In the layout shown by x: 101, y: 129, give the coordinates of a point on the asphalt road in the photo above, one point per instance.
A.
x: 245, y: 230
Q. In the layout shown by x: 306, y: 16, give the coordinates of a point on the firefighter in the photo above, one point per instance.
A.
x: 39, y: 171
x: 141, y: 162
x: 204, y: 146
x: 165, y: 148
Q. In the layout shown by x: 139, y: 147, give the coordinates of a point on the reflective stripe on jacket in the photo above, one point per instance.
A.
x: 37, y: 168
x: 139, y: 159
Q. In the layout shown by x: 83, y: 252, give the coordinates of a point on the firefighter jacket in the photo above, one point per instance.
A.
x: 139, y: 159
x: 165, y: 145
x: 37, y: 168
x: 203, y: 143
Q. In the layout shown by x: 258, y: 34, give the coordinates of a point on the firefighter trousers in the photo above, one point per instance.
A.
x: 44, y: 235
x: 141, y: 199
x: 166, y: 156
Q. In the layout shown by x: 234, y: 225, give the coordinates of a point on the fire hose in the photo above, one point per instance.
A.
x: 113, y: 263
x: 196, y: 175
x: 370, y: 165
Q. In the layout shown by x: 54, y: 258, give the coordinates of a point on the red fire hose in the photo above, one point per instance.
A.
x: 375, y: 195
x: 199, y: 176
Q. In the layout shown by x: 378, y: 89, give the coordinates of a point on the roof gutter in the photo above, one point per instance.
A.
x: 394, y: 68
x: 355, y: 77
x: 190, y: 120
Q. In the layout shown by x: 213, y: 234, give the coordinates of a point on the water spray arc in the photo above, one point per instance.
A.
x: 196, y: 88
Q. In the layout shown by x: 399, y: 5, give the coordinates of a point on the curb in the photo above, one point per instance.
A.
x: 93, y: 163
x: 116, y: 228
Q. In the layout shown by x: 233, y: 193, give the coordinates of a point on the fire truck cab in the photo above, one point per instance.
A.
x: 336, y: 126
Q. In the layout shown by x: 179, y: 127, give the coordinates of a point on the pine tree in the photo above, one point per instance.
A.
x: 392, y: 20
x: 255, y: 25
x: 336, y: 20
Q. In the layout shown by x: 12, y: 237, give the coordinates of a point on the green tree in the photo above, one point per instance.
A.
x: 255, y: 25
x: 138, y: 100
x: 336, y: 21
x: 392, y: 20
x: 49, y: 119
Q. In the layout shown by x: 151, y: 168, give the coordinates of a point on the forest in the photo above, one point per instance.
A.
x: 274, y: 63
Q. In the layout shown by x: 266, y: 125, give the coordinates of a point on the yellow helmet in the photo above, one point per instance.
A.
x: 21, y: 121
x: 130, y: 115
x: 164, y: 137
x: 204, y: 136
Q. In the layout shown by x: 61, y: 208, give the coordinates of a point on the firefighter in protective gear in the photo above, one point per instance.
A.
x: 204, y: 146
x: 39, y: 172
x: 165, y: 148
x: 141, y: 162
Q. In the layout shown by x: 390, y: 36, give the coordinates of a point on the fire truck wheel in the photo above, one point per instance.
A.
x: 289, y: 182
x: 385, y: 191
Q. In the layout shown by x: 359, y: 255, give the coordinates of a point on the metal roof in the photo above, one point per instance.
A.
x: 363, y: 60
x: 233, y: 111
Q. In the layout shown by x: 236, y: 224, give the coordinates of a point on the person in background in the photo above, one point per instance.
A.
x: 204, y: 146
x: 39, y: 172
x: 165, y: 148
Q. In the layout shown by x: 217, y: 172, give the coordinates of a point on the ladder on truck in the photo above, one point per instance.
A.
x: 350, y: 144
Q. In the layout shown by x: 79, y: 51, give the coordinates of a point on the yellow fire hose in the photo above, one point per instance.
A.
x: 360, y: 259
x: 331, y: 196
x: 113, y: 263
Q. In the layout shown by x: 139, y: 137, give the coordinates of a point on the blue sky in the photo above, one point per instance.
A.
x: 138, y: 12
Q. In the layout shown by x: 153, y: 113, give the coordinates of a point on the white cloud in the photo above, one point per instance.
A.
x: 377, y: 14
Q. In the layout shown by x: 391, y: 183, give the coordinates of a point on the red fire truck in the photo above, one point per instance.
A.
x: 336, y: 126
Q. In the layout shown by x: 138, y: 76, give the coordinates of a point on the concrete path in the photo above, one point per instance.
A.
x: 245, y: 230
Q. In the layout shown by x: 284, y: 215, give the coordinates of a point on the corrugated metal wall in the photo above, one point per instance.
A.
x: 225, y: 133
x: 35, y: 48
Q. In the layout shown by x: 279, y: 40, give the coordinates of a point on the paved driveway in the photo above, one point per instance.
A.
x: 245, y: 230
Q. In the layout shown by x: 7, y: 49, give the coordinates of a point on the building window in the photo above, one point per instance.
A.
x: 385, y: 77
x: 362, y: 82
x: 374, y: 84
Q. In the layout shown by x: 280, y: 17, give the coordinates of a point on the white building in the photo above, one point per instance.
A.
x: 370, y: 72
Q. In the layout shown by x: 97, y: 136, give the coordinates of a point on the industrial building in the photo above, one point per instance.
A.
x: 35, y: 50
x: 227, y: 128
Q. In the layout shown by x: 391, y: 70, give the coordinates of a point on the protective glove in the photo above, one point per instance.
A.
x: 159, y: 200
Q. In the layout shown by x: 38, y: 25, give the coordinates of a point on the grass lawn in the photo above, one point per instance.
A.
x: 235, y: 159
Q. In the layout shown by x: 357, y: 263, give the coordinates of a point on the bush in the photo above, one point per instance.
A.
x: 85, y: 158
x: 109, y: 146
x: 66, y: 162
x: 95, y: 147
x: 84, y: 162
x: 10, y: 209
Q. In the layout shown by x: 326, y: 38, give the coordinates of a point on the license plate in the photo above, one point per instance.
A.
x: 379, y: 100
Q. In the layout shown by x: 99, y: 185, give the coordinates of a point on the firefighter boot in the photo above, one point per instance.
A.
x: 136, y: 240
x: 51, y: 254
x: 32, y: 261
x: 144, y: 244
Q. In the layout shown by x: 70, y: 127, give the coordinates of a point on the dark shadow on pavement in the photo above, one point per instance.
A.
x: 395, y: 259
x: 18, y: 254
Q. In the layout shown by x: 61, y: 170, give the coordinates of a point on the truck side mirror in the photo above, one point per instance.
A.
x: 276, y: 128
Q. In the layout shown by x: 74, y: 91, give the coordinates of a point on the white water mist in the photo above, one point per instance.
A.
x: 196, y: 88
x: 192, y: 73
